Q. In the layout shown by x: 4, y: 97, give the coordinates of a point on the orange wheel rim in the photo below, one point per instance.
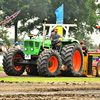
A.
x: 54, y: 65
x: 18, y: 68
x: 77, y: 61
x: 99, y: 70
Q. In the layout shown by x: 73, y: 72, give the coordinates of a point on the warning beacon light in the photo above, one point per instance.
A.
x: 45, y: 20
x: 99, y: 28
x: 75, y: 21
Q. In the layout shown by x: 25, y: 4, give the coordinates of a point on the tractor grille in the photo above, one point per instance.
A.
x: 28, y: 43
x: 31, y: 43
x: 36, y: 44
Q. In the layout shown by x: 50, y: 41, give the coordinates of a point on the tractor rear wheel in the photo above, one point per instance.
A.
x: 9, y: 62
x: 98, y: 70
x: 72, y: 58
x: 31, y: 70
x: 49, y: 63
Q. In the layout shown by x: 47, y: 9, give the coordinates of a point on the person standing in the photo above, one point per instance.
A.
x: 1, y: 50
x: 84, y: 48
x: 6, y: 47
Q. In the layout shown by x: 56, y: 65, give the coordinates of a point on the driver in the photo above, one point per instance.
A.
x: 55, y: 39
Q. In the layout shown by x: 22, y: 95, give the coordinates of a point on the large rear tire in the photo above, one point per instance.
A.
x: 49, y: 63
x: 98, y: 69
x: 9, y: 64
x: 72, y: 57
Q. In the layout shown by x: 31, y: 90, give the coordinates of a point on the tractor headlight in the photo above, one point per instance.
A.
x: 25, y: 49
x: 32, y: 49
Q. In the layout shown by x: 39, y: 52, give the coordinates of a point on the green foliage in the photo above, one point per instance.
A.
x: 29, y: 9
x: 83, y: 10
x: 4, y: 36
x: 11, y: 40
x: 20, y: 39
x: 94, y: 46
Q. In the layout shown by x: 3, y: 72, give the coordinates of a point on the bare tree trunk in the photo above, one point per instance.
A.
x: 16, y: 32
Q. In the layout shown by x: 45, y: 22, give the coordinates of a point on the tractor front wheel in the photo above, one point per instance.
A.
x: 49, y: 63
x: 9, y: 62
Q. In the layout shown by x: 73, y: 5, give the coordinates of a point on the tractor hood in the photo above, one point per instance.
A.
x: 47, y: 42
x: 33, y: 46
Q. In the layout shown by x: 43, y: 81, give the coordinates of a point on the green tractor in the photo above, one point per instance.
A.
x: 39, y: 57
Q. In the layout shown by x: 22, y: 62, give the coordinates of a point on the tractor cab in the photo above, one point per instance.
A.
x: 66, y: 28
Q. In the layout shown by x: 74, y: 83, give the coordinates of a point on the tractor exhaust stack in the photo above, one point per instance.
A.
x: 45, y: 20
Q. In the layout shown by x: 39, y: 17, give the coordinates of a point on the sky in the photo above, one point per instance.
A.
x: 94, y: 36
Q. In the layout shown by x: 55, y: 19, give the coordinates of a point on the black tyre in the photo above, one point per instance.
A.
x: 4, y: 62
x: 31, y: 70
x: 9, y: 64
x: 49, y: 63
x: 98, y: 69
x: 72, y: 57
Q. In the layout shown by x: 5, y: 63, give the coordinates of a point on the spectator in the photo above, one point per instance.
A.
x: 6, y: 47
x: 92, y: 50
x: 11, y: 47
x: 18, y: 47
x: 84, y: 48
x: 1, y: 50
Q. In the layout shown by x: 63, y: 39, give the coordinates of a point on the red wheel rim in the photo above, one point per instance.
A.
x: 54, y: 66
x: 99, y: 70
x: 18, y: 68
x: 77, y: 61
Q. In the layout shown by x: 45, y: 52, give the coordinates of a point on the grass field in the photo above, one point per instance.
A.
x: 48, y: 79
x: 56, y: 79
x: 1, y: 68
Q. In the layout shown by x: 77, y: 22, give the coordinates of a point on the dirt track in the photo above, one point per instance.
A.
x: 48, y: 90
